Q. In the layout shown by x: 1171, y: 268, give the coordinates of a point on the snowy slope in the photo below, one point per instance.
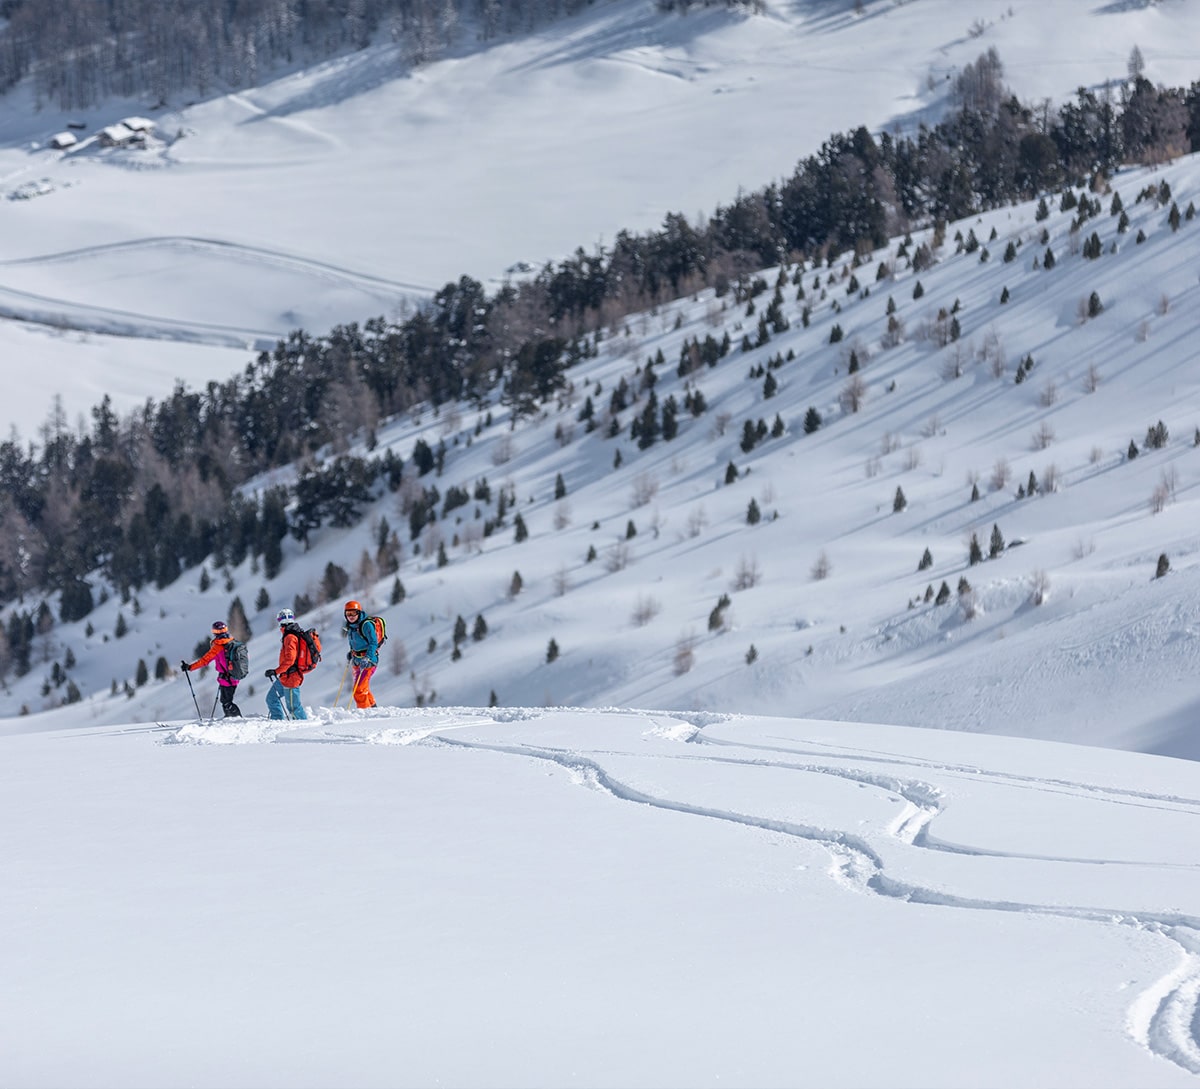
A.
x: 1107, y: 658
x: 336, y: 194
x: 548, y: 898
x: 745, y: 885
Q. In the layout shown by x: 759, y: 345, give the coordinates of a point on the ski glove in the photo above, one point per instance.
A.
x: 270, y: 674
x: 349, y: 655
x: 184, y: 666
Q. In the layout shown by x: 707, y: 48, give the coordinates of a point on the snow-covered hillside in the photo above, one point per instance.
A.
x: 742, y: 884
x: 340, y: 193
x: 828, y: 587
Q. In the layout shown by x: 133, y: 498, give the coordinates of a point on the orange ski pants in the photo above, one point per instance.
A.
x: 362, y: 686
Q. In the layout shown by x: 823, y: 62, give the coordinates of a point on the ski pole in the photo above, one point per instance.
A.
x: 199, y: 715
x: 212, y: 715
x: 343, y: 681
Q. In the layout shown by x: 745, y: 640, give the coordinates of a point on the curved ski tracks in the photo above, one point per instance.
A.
x: 1164, y: 1018
x: 20, y: 305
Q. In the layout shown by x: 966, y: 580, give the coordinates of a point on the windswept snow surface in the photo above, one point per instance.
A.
x: 345, y: 191
x: 595, y: 898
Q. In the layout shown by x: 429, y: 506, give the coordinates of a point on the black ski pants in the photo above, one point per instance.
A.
x: 231, y: 709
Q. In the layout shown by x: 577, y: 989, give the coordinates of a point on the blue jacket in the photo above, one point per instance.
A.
x: 364, y: 643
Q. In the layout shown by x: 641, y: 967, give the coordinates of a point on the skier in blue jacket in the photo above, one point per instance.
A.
x: 363, y: 654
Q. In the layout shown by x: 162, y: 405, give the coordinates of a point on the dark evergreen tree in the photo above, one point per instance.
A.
x: 1157, y: 436
x: 333, y: 582
x: 975, y: 552
x: 670, y: 419
x: 551, y: 651
x: 239, y: 626
x: 753, y: 514
x: 899, y: 501
x: 996, y: 545
x: 76, y: 601
x: 926, y: 560
x: 648, y: 429
x: 520, y: 531
x: 812, y: 421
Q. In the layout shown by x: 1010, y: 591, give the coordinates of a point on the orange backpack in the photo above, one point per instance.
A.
x: 380, y: 628
x: 308, y: 649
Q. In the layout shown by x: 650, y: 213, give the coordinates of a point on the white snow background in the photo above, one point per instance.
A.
x: 747, y: 886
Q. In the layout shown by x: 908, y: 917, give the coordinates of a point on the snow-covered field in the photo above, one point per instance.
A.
x: 747, y: 886
x: 594, y: 898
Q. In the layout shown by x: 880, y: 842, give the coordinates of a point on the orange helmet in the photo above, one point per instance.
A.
x: 353, y: 607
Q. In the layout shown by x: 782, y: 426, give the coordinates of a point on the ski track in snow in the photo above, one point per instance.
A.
x: 1163, y: 1018
x: 20, y: 305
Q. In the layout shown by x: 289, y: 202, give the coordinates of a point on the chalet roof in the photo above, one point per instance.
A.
x: 63, y: 139
x: 137, y: 124
x: 118, y: 133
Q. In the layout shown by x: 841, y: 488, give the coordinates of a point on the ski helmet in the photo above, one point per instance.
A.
x: 285, y: 616
x: 219, y: 627
x: 353, y: 607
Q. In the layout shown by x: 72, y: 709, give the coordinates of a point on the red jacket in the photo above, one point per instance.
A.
x: 216, y: 653
x: 289, y: 652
